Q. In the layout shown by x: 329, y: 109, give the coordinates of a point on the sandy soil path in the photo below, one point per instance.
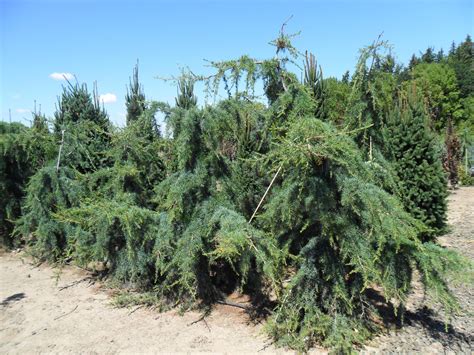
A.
x: 424, y: 331
x: 38, y: 315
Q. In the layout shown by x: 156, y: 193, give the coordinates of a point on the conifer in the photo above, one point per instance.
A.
x: 135, y: 98
x: 416, y: 158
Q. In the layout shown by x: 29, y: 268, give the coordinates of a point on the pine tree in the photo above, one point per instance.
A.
x: 413, y: 150
x: 135, y: 98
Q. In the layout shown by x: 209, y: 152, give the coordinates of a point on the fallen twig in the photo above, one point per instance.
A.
x: 266, y: 346
x: 136, y: 309
x: 202, y: 318
x: 75, y: 283
x: 65, y: 314
x: 232, y: 304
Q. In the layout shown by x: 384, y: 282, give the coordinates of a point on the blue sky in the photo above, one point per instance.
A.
x: 101, y: 40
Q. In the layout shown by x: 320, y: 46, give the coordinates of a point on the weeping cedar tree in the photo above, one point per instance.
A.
x: 416, y: 159
x: 172, y: 214
x: 23, y: 151
x: 82, y: 128
x: 135, y: 98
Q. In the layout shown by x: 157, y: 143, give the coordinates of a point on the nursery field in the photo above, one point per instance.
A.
x: 40, y: 312
x: 274, y: 207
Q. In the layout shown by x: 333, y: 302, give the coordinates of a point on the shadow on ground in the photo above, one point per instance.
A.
x: 13, y: 298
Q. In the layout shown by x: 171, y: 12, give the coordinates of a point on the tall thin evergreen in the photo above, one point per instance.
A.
x: 135, y: 98
x: 416, y: 158
x: 452, y: 155
x: 186, y: 98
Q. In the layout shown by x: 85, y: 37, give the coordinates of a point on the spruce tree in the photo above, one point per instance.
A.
x: 415, y: 155
x: 186, y: 98
x: 452, y: 155
x: 135, y: 98
x: 313, y: 79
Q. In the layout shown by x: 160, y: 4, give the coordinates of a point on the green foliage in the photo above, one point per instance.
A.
x: 135, y: 98
x: 77, y: 105
x: 337, y: 93
x: 347, y: 235
x: 114, y: 232
x: 85, y: 127
x: 313, y: 78
x: 452, y: 155
x: 438, y: 84
x: 186, y: 98
x: 24, y: 151
x: 416, y: 158
x: 462, y: 61
x: 465, y: 177
x: 350, y: 182
x: 47, y: 192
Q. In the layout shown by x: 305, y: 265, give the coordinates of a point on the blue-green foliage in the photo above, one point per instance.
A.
x: 172, y: 215
x: 23, y: 151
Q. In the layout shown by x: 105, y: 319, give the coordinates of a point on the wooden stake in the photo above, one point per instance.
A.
x: 60, y: 149
x: 265, y: 194
x: 370, y: 148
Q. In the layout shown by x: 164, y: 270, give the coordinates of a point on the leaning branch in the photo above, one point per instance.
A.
x: 265, y: 194
x: 60, y: 149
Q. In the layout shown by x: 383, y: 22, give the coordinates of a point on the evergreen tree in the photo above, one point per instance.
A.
x: 440, y: 56
x: 23, y: 151
x: 269, y: 200
x: 413, y: 62
x: 313, y: 78
x: 346, y: 77
x: 452, y: 49
x: 452, y: 155
x: 428, y: 56
x: 413, y: 150
x: 82, y: 133
x: 462, y: 61
x: 186, y: 98
x: 75, y: 105
x: 135, y: 98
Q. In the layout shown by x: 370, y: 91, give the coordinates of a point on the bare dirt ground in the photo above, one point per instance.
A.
x: 425, y: 330
x: 41, y: 314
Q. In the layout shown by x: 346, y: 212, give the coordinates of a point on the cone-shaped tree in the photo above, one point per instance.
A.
x: 416, y: 158
x: 452, y: 155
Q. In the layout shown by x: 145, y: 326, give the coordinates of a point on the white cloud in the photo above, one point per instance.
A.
x: 22, y: 110
x: 61, y: 76
x: 107, y: 98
